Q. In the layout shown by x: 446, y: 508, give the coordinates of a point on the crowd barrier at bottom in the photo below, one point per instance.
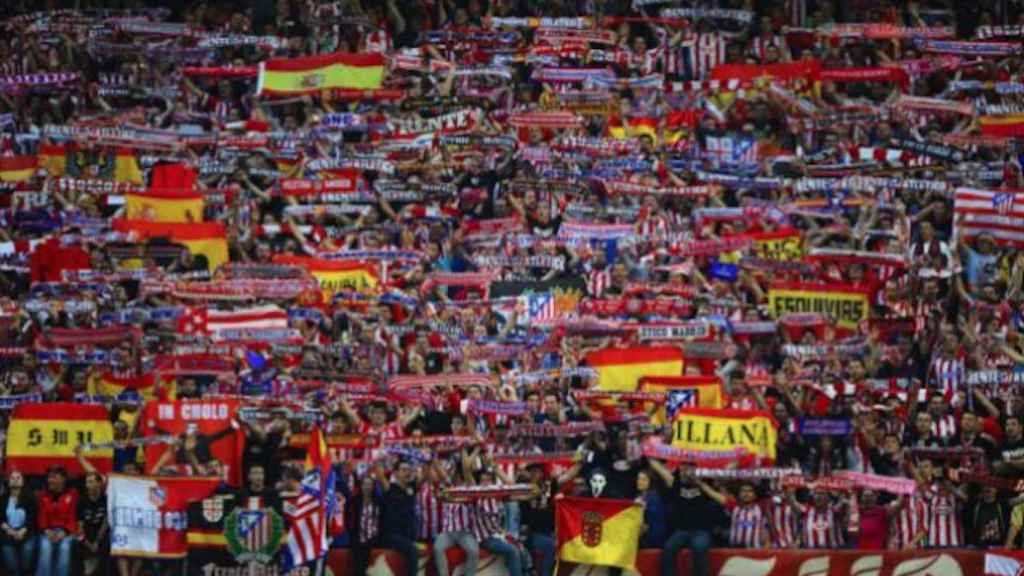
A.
x: 731, y: 562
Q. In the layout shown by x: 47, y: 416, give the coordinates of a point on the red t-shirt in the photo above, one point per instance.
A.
x: 874, y: 529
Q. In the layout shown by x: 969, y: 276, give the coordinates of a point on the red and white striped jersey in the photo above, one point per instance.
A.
x: 922, y: 311
x: 598, y: 282
x: 912, y: 518
x: 489, y: 518
x: 821, y: 527
x: 944, y: 427
x: 945, y: 528
x: 392, y: 361
x: 749, y: 525
x: 785, y: 524
x: 457, y: 517
x: 947, y: 374
x: 369, y: 521
x: 428, y: 508
x: 702, y: 52
x: 508, y: 469
x: 759, y: 45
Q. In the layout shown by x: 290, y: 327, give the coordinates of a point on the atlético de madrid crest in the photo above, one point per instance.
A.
x: 253, y: 534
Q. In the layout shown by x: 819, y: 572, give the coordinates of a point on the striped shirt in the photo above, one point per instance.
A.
x: 785, y: 524
x: 821, y: 528
x: 945, y: 530
x: 759, y: 46
x: 428, y: 510
x: 457, y: 517
x: 701, y: 53
x: 598, y: 282
x: 390, y: 361
x: 489, y: 518
x: 369, y: 521
x: 944, y: 427
x: 749, y: 524
x: 948, y: 373
x: 913, y: 517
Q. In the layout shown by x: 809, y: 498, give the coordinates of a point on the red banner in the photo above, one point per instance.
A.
x: 809, y: 70
x: 211, y: 420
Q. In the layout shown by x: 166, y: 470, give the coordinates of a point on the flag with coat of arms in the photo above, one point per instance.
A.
x: 316, y: 513
x: 731, y: 151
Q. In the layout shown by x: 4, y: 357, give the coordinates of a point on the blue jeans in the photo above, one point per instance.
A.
x: 18, y: 556
x: 544, y: 544
x: 698, y: 541
x: 46, y: 565
x: 512, y: 522
x: 464, y: 540
x: 507, y: 551
x: 407, y: 548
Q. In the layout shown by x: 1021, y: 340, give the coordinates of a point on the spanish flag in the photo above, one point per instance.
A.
x: 288, y: 167
x: 45, y: 435
x: 336, y: 275
x: 783, y: 244
x: 1007, y: 126
x: 53, y: 158
x: 633, y: 128
x: 18, y: 168
x: 620, y: 369
x: 108, y: 384
x: 598, y: 531
x: 704, y: 391
x: 311, y: 74
x: 206, y: 238
x: 711, y: 430
x: 126, y: 167
x: 165, y: 206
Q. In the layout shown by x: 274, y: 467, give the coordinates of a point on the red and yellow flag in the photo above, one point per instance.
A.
x: 311, y: 74
x: 1007, y: 126
x: 784, y: 244
x: 107, y: 384
x: 598, y: 531
x: 336, y: 275
x: 706, y: 391
x: 53, y: 158
x: 846, y: 305
x: 288, y: 167
x: 206, y: 238
x: 633, y: 128
x: 18, y: 168
x: 45, y: 435
x: 710, y: 430
x: 620, y: 369
x: 165, y: 206
x: 126, y: 167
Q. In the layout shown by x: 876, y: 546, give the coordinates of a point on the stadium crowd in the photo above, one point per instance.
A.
x: 506, y: 252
